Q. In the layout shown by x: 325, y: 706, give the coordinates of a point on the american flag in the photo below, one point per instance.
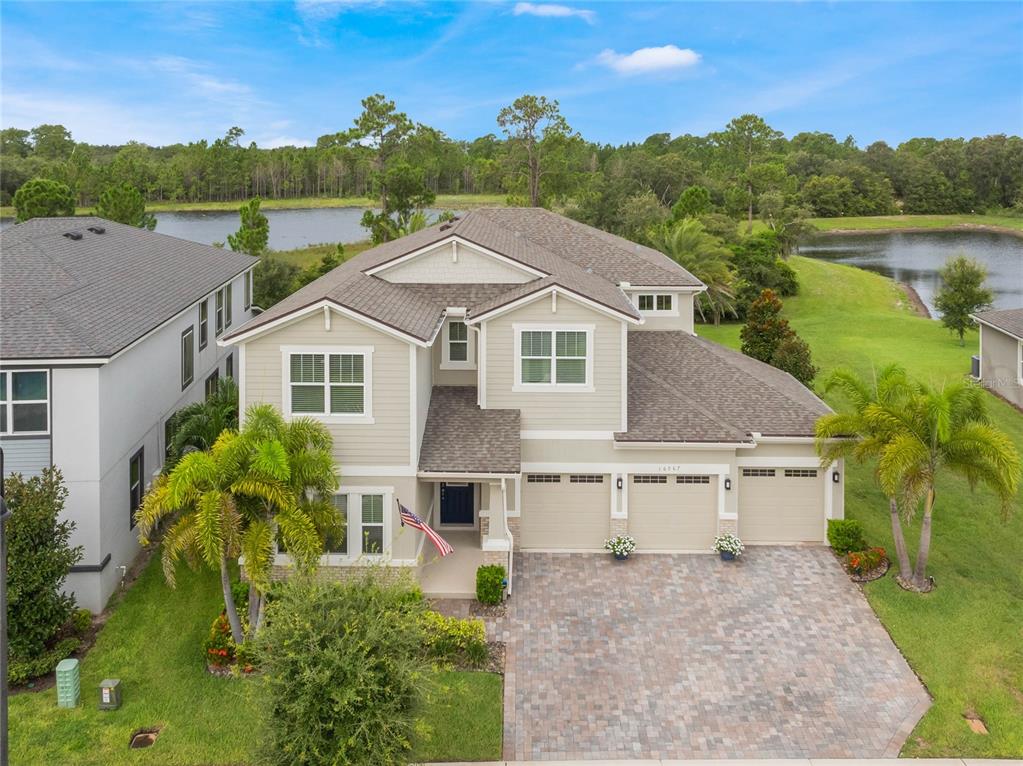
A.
x: 410, y: 519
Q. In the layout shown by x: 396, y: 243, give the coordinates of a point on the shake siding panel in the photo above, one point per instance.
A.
x: 384, y: 442
x: 598, y: 410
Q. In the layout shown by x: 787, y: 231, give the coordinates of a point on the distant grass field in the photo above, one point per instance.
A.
x: 443, y: 202
x: 897, y: 222
x: 303, y: 257
x: 964, y: 640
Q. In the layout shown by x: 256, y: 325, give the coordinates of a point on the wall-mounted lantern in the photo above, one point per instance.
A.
x: 836, y: 477
x: 728, y: 483
x: 619, y: 482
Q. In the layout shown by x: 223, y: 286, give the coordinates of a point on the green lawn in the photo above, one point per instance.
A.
x: 303, y: 257
x: 152, y: 643
x: 918, y: 222
x: 443, y: 202
x: 965, y: 640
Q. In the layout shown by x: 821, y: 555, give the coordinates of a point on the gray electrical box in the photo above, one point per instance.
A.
x: 110, y: 694
x: 68, y: 683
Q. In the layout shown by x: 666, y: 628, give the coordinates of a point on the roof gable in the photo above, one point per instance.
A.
x: 455, y: 260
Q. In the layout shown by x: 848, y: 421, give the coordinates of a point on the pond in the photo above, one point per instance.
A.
x: 915, y: 258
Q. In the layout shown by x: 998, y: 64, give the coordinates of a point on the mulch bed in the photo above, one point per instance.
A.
x: 494, y: 663
x: 488, y: 611
x: 874, y: 574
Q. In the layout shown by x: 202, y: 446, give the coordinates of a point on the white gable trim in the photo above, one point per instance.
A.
x: 553, y: 290
x: 302, y: 313
x: 464, y: 243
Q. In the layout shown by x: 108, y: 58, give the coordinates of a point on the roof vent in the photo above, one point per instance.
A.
x: 98, y: 229
x: 75, y: 235
x: 445, y: 227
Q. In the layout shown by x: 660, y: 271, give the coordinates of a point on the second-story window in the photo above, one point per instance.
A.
x: 659, y: 303
x: 220, y: 312
x: 204, y: 323
x: 187, y: 357
x: 329, y: 384
x: 459, y: 352
x: 554, y: 358
x: 228, y: 292
x: 24, y: 402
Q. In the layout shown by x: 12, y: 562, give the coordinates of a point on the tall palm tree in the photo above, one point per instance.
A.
x: 860, y: 435
x: 944, y: 429
x: 198, y: 425
x: 705, y: 257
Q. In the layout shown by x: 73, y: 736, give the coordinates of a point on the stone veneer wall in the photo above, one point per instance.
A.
x: 619, y: 527
x: 728, y: 525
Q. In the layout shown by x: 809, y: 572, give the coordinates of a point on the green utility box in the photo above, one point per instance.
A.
x: 68, y: 683
x: 110, y: 694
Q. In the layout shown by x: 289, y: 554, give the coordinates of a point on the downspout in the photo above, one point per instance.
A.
x: 507, y: 531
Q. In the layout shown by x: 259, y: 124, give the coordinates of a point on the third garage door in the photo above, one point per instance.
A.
x: 565, y: 511
x: 781, y: 505
x: 673, y: 513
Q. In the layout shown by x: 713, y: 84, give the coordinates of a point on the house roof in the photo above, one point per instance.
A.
x: 686, y: 389
x: 91, y: 297
x: 1009, y: 321
x: 462, y: 438
x: 570, y: 255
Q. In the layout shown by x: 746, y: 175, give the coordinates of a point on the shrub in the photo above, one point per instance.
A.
x: 81, y: 621
x: 219, y: 648
x: 490, y: 582
x: 620, y: 545
x: 20, y: 671
x: 343, y: 673
x: 846, y: 535
x: 793, y: 356
x: 38, y: 559
x: 454, y: 639
x: 729, y: 543
x: 861, y: 562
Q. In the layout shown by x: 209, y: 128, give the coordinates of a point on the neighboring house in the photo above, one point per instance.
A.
x: 1001, y: 353
x: 105, y: 331
x: 520, y: 379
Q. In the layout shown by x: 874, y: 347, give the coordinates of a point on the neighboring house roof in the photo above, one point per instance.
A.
x: 686, y: 389
x: 462, y: 438
x: 1009, y: 321
x: 91, y: 297
x: 575, y: 257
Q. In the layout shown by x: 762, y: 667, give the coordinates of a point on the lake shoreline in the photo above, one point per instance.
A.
x: 914, y: 300
x: 951, y: 228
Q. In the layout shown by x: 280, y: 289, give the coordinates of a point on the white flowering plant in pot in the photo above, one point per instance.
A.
x: 729, y: 546
x: 621, y: 546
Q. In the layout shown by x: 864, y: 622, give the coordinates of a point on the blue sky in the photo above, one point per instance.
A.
x: 163, y: 72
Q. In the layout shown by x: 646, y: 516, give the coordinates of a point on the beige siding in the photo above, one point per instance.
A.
x: 451, y: 377
x: 999, y: 364
x: 597, y: 410
x: 780, y: 509
x: 564, y: 515
x: 383, y: 442
x: 673, y: 515
x: 443, y: 265
x: 684, y: 320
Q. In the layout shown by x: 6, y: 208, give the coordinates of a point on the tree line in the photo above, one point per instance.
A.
x: 747, y: 168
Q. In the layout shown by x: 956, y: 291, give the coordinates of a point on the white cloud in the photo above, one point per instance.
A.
x: 550, y: 10
x: 193, y: 73
x: 665, y: 58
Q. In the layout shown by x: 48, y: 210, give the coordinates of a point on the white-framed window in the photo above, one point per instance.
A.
x: 247, y: 289
x: 371, y: 525
x: 366, y: 516
x: 25, y: 402
x: 554, y: 358
x: 657, y: 303
x: 187, y: 357
x: 204, y: 323
x: 459, y: 352
x: 338, y: 545
x: 332, y: 383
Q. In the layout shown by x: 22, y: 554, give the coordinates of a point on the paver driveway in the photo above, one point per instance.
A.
x: 776, y: 655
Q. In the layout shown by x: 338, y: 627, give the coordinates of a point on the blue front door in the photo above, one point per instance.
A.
x: 456, y: 504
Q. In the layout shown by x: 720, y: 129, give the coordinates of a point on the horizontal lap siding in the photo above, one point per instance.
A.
x: 384, y: 442
x: 26, y: 456
x: 599, y: 410
x: 999, y: 364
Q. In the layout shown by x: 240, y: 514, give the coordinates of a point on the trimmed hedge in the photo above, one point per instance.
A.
x: 490, y: 580
x: 454, y: 639
x: 845, y: 535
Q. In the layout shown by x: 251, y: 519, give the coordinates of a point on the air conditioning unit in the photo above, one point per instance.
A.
x: 975, y: 367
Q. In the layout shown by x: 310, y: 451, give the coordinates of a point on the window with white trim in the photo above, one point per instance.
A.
x: 459, y: 351
x: 371, y: 537
x: 187, y: 357
x: 554, y: 357
x: 25, y: 402
x: 656, y: 303
x: 328, y: 384
x: 204, y: 323
x: 338, y: 544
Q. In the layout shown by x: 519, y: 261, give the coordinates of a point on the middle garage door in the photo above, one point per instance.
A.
x: 673, y: 513
x: 565, y: 511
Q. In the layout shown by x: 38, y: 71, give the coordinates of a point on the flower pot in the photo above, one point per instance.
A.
x: 727, y: 555
x: 621, y: 556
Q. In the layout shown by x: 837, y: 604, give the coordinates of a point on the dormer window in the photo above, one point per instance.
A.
x: 656, y: 303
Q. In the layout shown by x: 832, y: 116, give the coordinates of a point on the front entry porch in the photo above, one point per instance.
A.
x: 453, y: 576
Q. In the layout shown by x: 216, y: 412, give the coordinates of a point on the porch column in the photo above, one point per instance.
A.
x: 493, y: 525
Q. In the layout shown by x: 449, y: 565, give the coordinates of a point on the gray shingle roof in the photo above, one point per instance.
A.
x: 1007, y: 320
x: 462, y: 438
x: 571, y: 255
x: 64, y: 298
x: 686, y: 389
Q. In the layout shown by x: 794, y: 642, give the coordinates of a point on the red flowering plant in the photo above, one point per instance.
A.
x: 862, y: 562
x: 219, y: 648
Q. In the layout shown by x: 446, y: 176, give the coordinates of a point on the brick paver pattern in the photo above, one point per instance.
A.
x: 777, y: 655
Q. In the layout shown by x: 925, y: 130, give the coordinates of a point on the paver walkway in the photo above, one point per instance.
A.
x: 777, y: 655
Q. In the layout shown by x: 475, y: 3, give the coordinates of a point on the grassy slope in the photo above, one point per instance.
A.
x: 152, y: 643
x: 443, y: 202
x: 965, y: 640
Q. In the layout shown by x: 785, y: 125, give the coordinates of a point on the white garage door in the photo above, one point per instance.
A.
x: 673, y: 513
x: 565, y: 511
x: 781, y: 505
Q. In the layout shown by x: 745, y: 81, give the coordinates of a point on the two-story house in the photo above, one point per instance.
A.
x: 106, y: 330
x: 521, y: 380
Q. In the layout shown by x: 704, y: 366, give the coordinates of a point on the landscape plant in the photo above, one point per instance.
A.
x: 861, y: 562
x: 620, y: 545
x: 196, y: 426
x: 43, y: 198
x: 124, y: 203
x: 454, y: 639
x: 491, y: 580
x: 766, y: 336
x: 705, y: 257
x: 962, y: 293
x: 846, y: 535
x: 353, y: 699
x: 253, y: 234
x: 729, y: 543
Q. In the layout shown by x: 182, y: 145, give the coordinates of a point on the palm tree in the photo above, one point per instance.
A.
x: 198, y: 425
x: 943, y: 429
x: 860, y: 434
x: 307, y: 447
x: 705, y: 257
